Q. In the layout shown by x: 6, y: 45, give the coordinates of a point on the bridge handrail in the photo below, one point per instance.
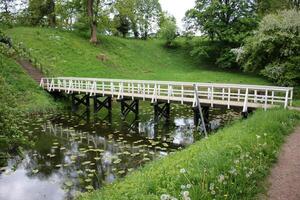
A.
x: 213, y: 93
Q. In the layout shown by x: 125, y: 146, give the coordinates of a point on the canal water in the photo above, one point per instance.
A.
x: 74, y: 154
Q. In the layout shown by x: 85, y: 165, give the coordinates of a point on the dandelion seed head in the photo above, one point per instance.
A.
x: 182, y: 171
x: 164, y: 197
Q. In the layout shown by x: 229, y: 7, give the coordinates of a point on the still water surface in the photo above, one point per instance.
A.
x: 73, y: 155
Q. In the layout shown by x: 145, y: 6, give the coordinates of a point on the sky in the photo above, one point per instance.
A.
x: 177, y: 8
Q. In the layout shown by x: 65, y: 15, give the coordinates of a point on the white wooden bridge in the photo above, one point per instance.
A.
x: 212, y: 94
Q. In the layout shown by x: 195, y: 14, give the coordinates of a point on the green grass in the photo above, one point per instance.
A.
x: 231, y: 164
x: 27, y: 93
x: 67, y: 54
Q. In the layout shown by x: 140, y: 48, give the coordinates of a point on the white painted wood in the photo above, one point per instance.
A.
x: 229, y: 95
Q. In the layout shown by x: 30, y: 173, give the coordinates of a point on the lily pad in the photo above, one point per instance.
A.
x: 117, y: 161
x: 69, y: 183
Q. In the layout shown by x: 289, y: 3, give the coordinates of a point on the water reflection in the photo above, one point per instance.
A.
x: 74, y: 155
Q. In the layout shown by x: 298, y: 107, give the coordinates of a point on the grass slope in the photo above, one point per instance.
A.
x: 67, y: 54
x: 229, y: 165
x: 28, y: 95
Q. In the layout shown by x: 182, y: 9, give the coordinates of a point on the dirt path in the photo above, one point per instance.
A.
x: 35, y: 73
x: 285, y: 176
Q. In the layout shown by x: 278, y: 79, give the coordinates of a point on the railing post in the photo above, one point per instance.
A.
x: 228, y: 100
x: 266, y: 99
x: 182, y: 92
x: 286, y: 99
x: 212, y: 96
x: 245, y: 107
x: 291, y: 97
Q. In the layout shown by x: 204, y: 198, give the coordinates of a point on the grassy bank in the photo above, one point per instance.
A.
x: 67, y: 54
x: 29, y: 97
x: 228, y: 165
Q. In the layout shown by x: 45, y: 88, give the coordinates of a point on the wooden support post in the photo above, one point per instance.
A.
x: 99, y: 104
x: 77, y: 101
x: 161, y: 111
x: 126, y: 108
x: 197, y: 119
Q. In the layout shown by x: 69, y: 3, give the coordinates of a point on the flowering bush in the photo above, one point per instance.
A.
x: 275, y: 48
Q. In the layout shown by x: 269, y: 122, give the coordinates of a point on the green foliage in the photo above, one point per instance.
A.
x: 10, y: 136
x: 25, y: 92
x: 227, y: 21
x: 265, y: 7
x: 148, y: 13
x: 275, y: 48
x: 168, y: 29
x: 222, y: 166
x: 64, y: 53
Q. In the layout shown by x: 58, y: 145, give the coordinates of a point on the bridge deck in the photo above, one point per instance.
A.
x: 213, y: 94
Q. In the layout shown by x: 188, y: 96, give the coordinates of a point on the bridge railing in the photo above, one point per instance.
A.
x: 253, y: 96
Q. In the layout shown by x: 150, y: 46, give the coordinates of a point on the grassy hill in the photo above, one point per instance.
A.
x: 28, y: 95
x: 67, y: 54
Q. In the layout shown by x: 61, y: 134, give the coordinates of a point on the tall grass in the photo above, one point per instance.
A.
x: 228, y: 165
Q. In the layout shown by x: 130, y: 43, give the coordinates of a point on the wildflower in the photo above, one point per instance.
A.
x: 211, y: 186
x: 188, y: 186
x: 221, y: 178
x: 257, y: 136
x: 233, y: 171
x: 236, y: 161
x: 182, y: 187
x: 186, y: 193
x: 213, y: 192
x: 182, y: 171
x: 265, y: 134
x: 164, y: 197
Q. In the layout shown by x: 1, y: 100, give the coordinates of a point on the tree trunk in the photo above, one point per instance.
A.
x: 92, y: 21
x: 51, y: 13
x: 93, y: 33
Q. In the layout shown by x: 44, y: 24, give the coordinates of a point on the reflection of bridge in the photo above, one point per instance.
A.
x: 162, y: 93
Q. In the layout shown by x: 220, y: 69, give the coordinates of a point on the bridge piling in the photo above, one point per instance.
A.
x: 161, y: 111
x: 132, y: 106
x: 99, y: 104
x: 197, y: 120
x: 77, y: 101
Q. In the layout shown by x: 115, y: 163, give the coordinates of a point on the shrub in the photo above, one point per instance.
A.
x: 275, y: 48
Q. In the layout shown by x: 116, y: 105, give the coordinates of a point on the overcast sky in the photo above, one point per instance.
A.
x: 177, y: 8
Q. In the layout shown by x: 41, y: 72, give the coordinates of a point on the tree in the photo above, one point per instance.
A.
x: 224, y: 20
x: 265, y: 7
x: 126, y: 18
x: 122, y: 24
x: 275, y: 48
x: 38, y: 9
x: 148, y: 13
x: 168, y: 29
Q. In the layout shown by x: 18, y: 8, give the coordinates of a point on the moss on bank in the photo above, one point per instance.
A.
x: 228, y: 165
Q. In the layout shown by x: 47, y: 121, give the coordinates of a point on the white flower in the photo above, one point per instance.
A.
x: 164, y: 197
x: 182, y: 187
x: 188, y: 186
x: 182, y: 171
x: 257, y: 136
x: 221, y: 178
x: 211, y: 186
x: 186, y: 193
x: 236, y: 161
